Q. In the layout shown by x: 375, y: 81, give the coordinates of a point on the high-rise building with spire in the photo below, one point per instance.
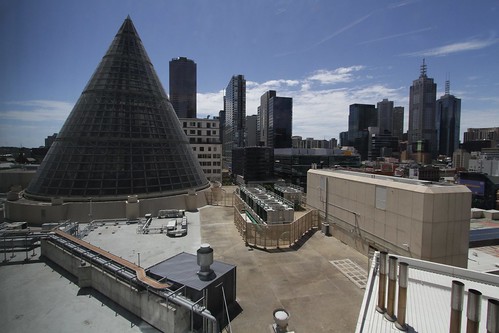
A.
x: 122, y: 137
x: 448, y: 122
x: 422, y: 134
x: 183, y: 86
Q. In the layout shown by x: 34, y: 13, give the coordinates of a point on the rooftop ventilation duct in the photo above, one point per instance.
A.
x: 204, y: 260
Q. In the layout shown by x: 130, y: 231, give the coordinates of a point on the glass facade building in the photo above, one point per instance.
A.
x: 448, y: 122
x: 422, y: 104
x: 360, y: 118
x: 122, y: 136
x: 183, y: 87
x: 235, y: 118
x: 280, y: 122
x: 385, y: 116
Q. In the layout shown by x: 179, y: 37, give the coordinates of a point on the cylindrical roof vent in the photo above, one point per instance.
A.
x: 281, y: 318
x: 473, y: 311
x: 457, y: 300
x: 492, y: 315
x: 204, y: 260
x: 392, y: 282
x: 402, y: 300
x: 382, y: 282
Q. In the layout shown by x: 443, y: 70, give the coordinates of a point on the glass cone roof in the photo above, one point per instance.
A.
x: 122, y: 136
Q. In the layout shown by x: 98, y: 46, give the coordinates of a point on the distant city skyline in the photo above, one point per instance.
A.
x: 324, y: 55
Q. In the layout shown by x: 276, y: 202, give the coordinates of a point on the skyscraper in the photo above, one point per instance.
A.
x: 251, y: 131
x: 422, y: 106
x: 183, y: 87
x: 398, y: 122
x: 263, y: 117
x: 360, y: 118
x: 280, y: 122
x: 385, y: 117
x: 448, y: 121
x: 235, y: 117
x: 275, y: 120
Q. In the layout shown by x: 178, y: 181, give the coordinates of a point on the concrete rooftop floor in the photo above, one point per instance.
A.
x: 39, y: 296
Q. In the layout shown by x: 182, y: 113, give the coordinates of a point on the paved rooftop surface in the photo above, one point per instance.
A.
x: 39, y: 296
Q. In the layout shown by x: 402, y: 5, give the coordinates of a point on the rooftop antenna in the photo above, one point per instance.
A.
x: 447, y: 85
x: 423, y: 69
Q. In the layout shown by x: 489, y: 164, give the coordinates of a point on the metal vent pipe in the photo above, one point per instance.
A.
x: 493, y: 316
x: 392, y: 283
x: 402, y: 302
x: 473, y: 311
x: 382, y: 282
x: 456, y: 299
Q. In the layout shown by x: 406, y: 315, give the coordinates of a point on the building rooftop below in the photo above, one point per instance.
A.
x: 302, y: 280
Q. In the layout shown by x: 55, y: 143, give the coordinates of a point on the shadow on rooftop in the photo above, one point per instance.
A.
x: 134, y: 320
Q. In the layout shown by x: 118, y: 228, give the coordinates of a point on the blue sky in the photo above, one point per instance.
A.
x: 324, y: 54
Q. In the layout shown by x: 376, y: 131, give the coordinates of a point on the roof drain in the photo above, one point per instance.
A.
x: 382, y: 282
x: 402, y: 300
x: 457, y: 298
x: 392, y: 282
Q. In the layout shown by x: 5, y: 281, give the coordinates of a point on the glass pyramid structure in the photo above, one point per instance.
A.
x: 122, y: 136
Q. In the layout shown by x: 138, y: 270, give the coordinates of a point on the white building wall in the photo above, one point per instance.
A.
x: 488, y: 166
x: 204, y: 137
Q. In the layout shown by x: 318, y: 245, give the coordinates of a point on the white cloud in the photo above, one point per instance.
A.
x: 37, y: 111
x: 342, y: 74
x: 210, y: 103
x: 319, y: 110
x: 403, y: 34
x: 455, y: 48
x: 345, y: 28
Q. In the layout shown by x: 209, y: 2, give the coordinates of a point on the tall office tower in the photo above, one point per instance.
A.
x: 422, y: 105
x: 280, y: 122
x: 235, y: 117
x: 183, y: 87
x: 385, y: 117
x: 263, y: 117
x: 344, y: 139
x: 398, y: 122
x: 448, y: 121
x: 251, y: 132
x: 221, y: 117
x: 122, y: 137
x: 360, y: 118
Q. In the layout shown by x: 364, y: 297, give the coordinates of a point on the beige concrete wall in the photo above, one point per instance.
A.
x: 150, y: 307
x: 420, y: 220
x: 37, y: 213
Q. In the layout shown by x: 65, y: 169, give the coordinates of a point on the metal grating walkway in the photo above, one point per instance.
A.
x: 352, y: 271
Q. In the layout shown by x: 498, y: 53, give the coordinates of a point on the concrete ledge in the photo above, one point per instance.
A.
x: 491, y: 214
x: 476, y: 213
